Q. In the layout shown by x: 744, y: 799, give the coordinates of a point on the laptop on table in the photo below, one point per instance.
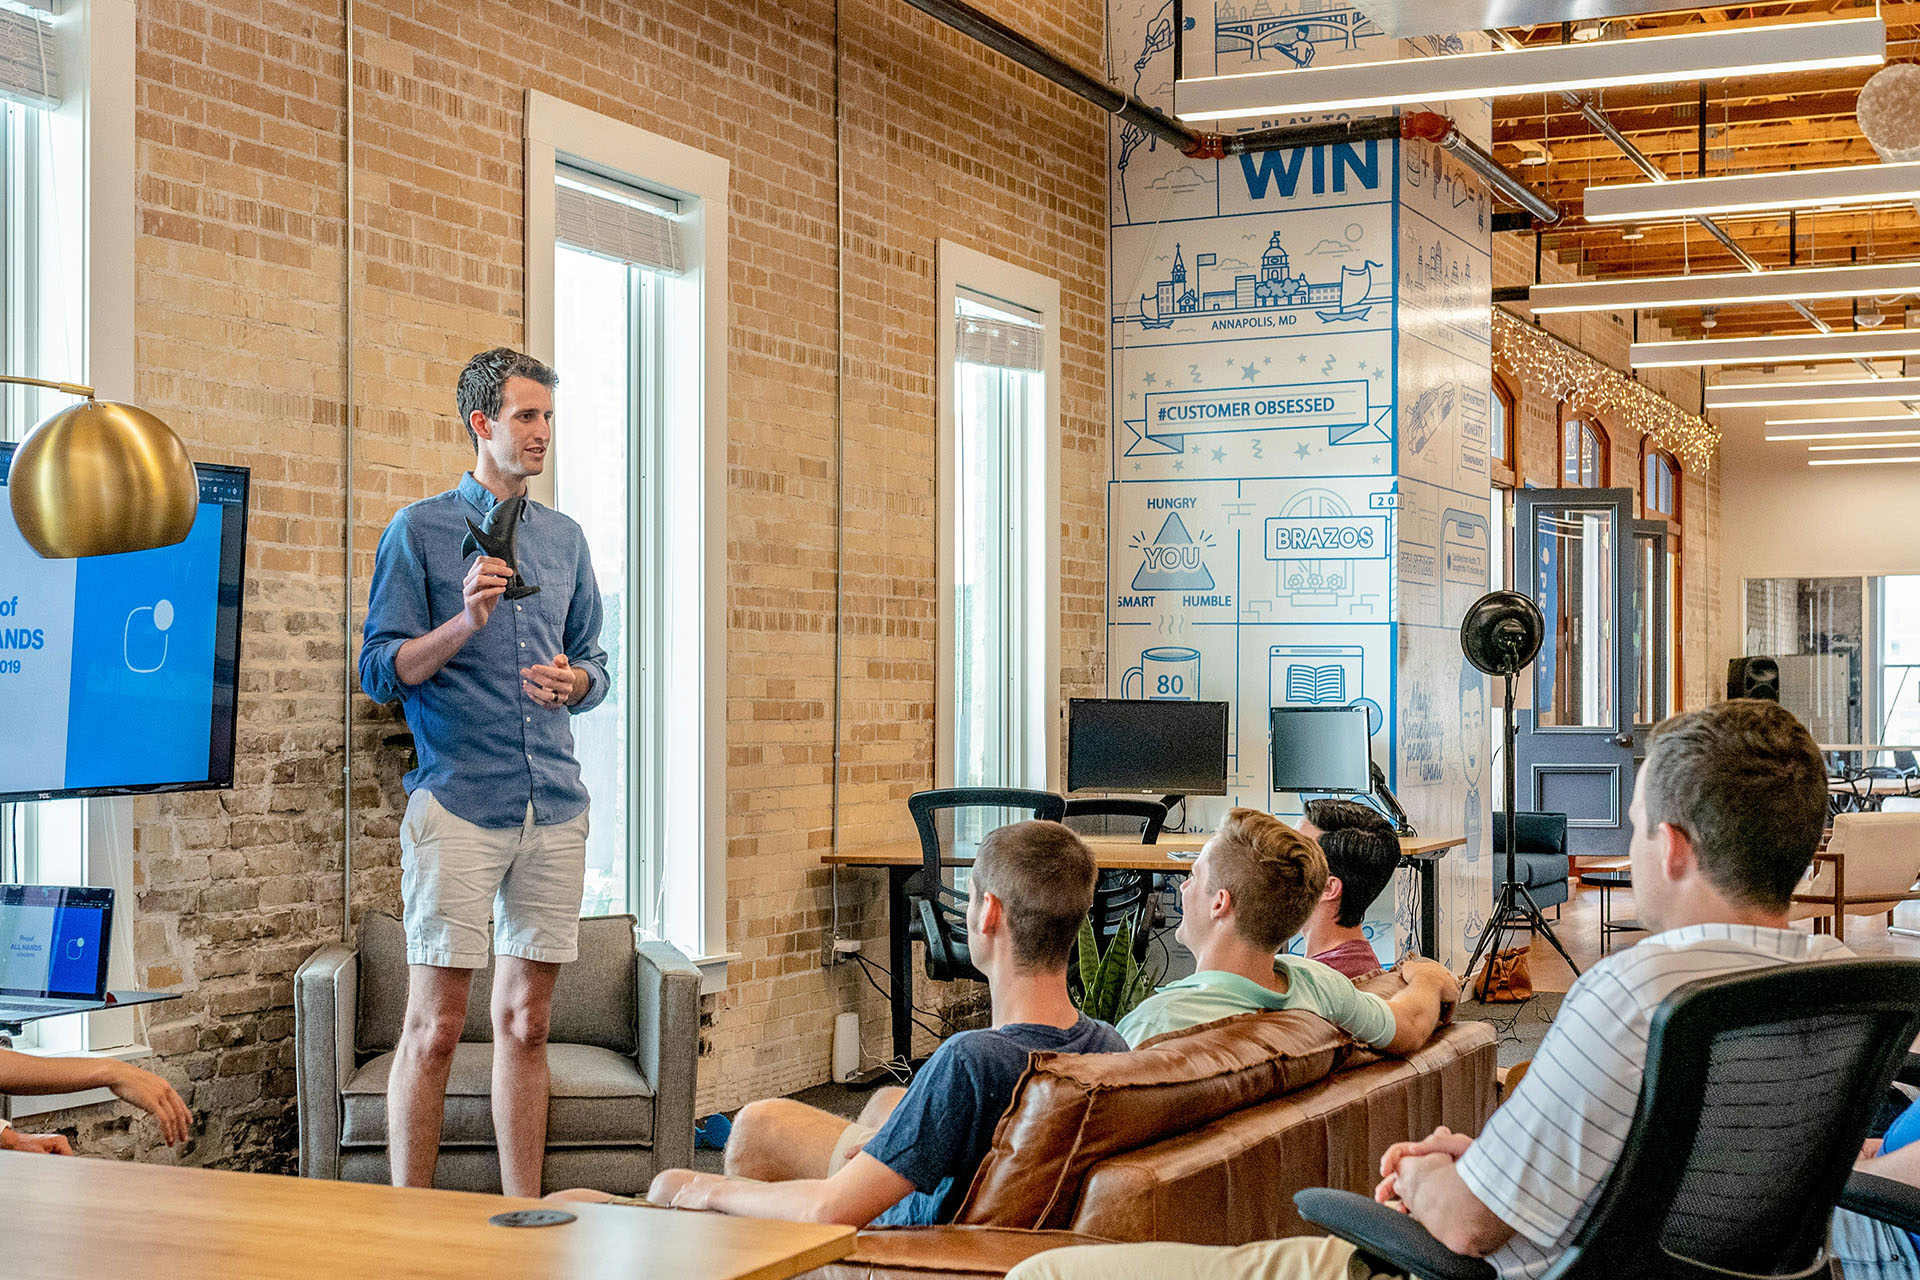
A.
x: 53, y: 949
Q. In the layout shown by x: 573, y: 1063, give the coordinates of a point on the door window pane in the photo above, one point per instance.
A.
x: 1899, y: 661
x: 1574, y: 586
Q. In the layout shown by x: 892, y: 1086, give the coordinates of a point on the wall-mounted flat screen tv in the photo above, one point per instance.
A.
x: 118, y: 673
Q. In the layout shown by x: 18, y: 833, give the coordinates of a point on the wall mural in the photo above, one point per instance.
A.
x: 1299, y: 430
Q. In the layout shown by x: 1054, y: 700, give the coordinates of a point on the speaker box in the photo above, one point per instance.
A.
x: 1753, y: 677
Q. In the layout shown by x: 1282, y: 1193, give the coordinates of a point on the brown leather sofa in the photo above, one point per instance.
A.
x: 1200, y: 1136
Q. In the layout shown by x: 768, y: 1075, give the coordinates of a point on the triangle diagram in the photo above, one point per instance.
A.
x: 1172, y: 562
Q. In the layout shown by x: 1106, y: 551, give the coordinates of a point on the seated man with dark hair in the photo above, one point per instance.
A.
x: 1362, y: 855
x: 1252, y: 887
x: 1726, y: 817
x: 1032, y: 886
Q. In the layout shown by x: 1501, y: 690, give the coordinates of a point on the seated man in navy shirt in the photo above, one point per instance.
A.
x: 1032, y: 885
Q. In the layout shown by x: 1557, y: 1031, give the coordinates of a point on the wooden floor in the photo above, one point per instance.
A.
x: 1579, y: 931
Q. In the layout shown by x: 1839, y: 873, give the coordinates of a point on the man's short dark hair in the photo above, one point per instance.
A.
x: 1745, y: 783
x: 1043, y: 875
x: 484, y: 380
x: 1361, y: 849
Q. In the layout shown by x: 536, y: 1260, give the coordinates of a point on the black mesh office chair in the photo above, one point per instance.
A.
x: 1120, y: 895
x: 1758, y: 1091
x: 941, y: 914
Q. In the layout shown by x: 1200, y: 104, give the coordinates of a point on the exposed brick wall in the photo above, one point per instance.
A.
x: 241, y: 346
x: 1606, y: 337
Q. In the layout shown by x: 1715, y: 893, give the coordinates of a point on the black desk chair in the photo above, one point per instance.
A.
x: 1120, y: 895
x: 941, y: 915
x: 1758, y: 1091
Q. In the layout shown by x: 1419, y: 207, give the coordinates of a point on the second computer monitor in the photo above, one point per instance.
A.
x: 1147, y: 746
x: 1320, y: 749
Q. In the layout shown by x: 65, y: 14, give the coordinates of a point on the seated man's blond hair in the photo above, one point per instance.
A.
x: 1274, y: 875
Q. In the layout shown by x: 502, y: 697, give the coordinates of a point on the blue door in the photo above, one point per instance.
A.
x: 1575, y: 750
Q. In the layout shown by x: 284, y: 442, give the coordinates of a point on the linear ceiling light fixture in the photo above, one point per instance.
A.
x: 1854, y: 391
x: 1858, y: 462
x: 1794, y: 348
x: 1845, y: 186
x: 1851, y: 435
x: 1835, y: 448
x: 1732, y: 288
x: 1902, y: 421
x: 1700, y: 55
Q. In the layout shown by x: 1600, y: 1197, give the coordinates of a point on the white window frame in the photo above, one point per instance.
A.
x: 95, y: 43
x: 1037, y: 754
x: 700, y: 181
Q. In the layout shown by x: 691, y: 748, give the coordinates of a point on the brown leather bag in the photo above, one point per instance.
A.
x: 1507, y: 977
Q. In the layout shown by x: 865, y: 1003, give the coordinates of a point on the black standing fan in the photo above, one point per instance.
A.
x: 1501, y: 634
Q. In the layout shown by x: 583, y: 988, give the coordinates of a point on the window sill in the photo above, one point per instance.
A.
x: 713, y: 971
x: 17, y: 1108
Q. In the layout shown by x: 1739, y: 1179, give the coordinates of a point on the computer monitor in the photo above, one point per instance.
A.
x: 1320, y: 749
x: 1148, y: 746
x: 53, y: 941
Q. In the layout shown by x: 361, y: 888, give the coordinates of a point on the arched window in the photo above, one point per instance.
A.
x: 1583, y: 453
x: 1503, y: 435
x: 1660, y: 485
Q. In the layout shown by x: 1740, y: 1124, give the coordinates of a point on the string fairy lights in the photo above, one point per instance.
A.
x: 1542, y: 361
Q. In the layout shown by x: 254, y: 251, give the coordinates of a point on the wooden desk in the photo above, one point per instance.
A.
x: 80, y: 1217
x: 902, y: 861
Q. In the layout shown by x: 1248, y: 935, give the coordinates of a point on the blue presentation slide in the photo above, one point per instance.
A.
x: 49, y: 950
x: 107, y: 662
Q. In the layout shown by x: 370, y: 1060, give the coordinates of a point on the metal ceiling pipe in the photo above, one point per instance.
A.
x: 1438, y: 129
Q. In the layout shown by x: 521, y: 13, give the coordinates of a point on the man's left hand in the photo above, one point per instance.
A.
x: 557, y: 685
x: 48, y: 1144
x: 683, y: 1188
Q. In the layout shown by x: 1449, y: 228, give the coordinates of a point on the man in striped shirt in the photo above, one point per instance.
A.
x: 1726, y: 817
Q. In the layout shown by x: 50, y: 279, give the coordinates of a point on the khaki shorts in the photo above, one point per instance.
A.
x: 455, y: 876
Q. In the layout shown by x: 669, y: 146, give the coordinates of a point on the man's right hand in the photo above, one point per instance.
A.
x: 1433, y: 974
x: 485, y: 582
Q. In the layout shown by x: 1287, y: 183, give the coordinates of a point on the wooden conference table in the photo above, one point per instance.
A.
x: 69, y: 1216
x: 902, y: 860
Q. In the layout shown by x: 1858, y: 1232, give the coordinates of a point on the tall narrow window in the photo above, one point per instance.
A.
x: 999, y: 562
x: 617, y: 250
x: 1503, y: 453
x: 1001, y: 400
x: 1583, y: 454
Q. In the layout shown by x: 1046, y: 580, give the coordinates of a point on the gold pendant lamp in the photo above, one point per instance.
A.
x: 100, y: 478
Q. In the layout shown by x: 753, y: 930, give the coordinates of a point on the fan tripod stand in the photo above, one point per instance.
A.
x: 1515, y: 909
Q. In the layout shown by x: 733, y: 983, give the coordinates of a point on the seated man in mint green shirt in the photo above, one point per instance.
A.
x: 1252, y: 888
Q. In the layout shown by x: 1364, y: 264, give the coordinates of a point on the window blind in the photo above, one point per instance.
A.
x: 994, y: 333
x: 29, y: 64
x: 617, y: 221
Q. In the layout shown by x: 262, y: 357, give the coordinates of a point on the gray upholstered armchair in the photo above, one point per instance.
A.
x: 622, y: 1046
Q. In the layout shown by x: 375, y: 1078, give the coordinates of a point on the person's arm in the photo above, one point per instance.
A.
x: 1416, y: 1009
x: 581, y: 640
x: 861, y: 1191
x: 1902, y: 1165
x: 26, y: 1073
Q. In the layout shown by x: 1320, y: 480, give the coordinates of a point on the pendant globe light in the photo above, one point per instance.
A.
x: 100, y: 478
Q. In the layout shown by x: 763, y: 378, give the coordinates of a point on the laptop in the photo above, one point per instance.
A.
x: 53, y: 949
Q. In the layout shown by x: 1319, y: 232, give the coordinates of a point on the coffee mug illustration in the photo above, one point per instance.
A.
x: 1166, y: 673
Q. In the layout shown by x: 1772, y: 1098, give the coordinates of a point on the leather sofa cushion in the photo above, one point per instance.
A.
x: 1071, y: 1111
x: 595, y: 1000
x: 598, y: 1099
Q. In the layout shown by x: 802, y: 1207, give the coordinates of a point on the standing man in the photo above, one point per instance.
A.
x: 496, y: 820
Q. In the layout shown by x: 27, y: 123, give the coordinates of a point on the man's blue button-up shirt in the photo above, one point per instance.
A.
x: 486, y: 749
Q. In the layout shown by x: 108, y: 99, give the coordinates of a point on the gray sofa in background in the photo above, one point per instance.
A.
x: 622, y: 1046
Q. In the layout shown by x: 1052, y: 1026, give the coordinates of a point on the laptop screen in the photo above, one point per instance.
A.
x: 53, y: 941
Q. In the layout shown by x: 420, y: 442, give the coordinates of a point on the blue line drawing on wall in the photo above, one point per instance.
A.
x: 1344, y: 408
x: 1313, y: 544
x: 1165, y: 673
x: 1314, y: 685
x: 1159, y: 38
x: 1292, y: 30
x: 1424, y: 419
x: 1173, y: 560
x: 1274, y: 290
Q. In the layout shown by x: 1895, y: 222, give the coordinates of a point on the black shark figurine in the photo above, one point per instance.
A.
x: 495, y: 537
